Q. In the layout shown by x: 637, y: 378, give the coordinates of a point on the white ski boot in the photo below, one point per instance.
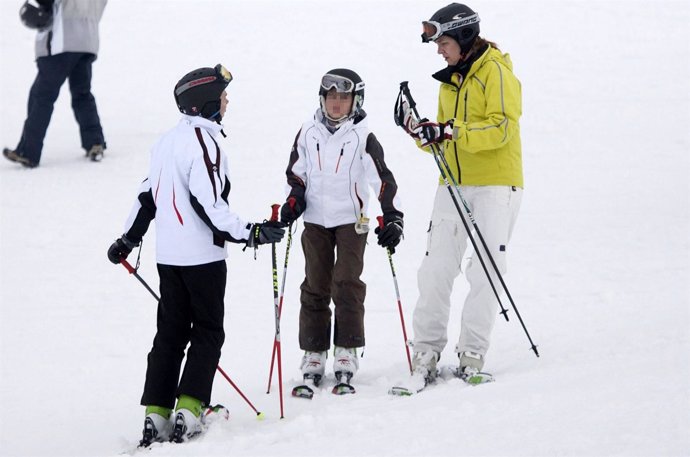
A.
x: 470, y: 369
x: 470, y: 363
x: 157, y: 429
x: 345, y: 363
x: 314, y: 366
x: 186, y: 426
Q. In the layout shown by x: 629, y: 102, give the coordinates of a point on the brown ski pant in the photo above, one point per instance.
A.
x: 334, y: 259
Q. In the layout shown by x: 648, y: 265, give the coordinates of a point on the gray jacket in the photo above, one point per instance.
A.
x: 74, y: 28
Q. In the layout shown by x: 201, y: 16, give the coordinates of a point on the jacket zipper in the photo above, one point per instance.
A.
x: 464, y: 117
x: 337, y: 165
x: 318, y: 154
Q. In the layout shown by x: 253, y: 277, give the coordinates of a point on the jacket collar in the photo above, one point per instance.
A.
x: 356, y: 122
x: 197, y: 121
x: 463, y: 68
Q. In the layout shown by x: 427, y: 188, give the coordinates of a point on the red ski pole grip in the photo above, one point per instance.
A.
x: 380, y: 219
x: 274, y: 211
x: 126, y: 264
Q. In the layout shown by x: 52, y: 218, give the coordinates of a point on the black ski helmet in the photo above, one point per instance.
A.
x: 456, y: 20
x: 345, y: 81
x: 35, y: 16
x: 198, y: 92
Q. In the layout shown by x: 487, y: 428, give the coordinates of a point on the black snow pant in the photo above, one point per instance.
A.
x: 52, y: 73
x: 334, y: 260
x: 191, y: 312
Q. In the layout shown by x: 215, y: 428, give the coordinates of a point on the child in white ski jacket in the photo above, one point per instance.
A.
x: 334, y: 162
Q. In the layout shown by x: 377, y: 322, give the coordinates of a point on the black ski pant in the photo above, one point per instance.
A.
x: 334, y: 260
x: 52, y: 73
x: 191, y: 312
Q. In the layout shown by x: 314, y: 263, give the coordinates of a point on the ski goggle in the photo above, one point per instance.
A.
x: 340, y: 84
x: 222, y: 74
x: 431, y: 30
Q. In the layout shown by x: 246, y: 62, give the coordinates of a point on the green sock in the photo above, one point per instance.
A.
x: 189, y: 403
x: 160, y: 410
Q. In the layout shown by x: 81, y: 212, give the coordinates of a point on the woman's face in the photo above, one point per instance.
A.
x: 223, y: 103
x: 449, y: 49
x: 338, y: 104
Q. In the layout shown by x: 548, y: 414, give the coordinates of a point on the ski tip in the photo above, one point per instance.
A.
x: 303, y: 392
x: 478, y: 378
x: 400, y: 391
x: 343, y: 389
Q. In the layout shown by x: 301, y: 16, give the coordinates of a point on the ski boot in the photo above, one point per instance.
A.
x: 157, y: 428
x: 95, y: 153
x: 345, y: 365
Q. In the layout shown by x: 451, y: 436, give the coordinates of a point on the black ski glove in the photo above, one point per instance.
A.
x: 120, y: 249
x: 265, y: 232
x: 292, y: 209
x: 389, y: 236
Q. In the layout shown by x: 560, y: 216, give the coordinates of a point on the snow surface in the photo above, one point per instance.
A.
x: 599, y: 263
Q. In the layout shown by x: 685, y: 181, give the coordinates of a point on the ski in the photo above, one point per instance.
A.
x: 311, y: 383
x: 413, y: 385
x: 475, y: 378
x: 306, y: 390
x: 417, y: 384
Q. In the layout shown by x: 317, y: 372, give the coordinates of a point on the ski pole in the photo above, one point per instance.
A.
x: 276, y: 306
x: 280, y: 305
x: 259, y: 414
x: 397, y: 294
x: 404, y: 89
x: 443, y: 168
x: 133, y: 271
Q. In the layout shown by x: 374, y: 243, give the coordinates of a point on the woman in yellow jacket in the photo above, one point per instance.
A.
x: 478, y: 132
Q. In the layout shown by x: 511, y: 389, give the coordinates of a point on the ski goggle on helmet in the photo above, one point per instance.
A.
x: 433, y: 29
x: 341, y: 84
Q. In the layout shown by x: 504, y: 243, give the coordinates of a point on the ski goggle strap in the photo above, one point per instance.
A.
x: 431, y: 30
x: 341, y: 84
x: 222, y: 74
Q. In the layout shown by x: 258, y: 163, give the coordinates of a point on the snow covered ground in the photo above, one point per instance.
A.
x: 599, y: 264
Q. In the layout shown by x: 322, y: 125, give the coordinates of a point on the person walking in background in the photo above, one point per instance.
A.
x: 186, y: 191
x: 66, y: 46
x: 334, y: 160
x: 478, y: 132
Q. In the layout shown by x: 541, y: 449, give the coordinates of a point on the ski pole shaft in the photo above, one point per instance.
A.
x: 225, y: 375
x: 397, y: 294
x: 276, y: 306
x: 133, y: 271
x: 280, y: 304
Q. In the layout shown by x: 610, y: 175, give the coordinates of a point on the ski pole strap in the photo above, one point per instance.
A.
x: 405, y: 90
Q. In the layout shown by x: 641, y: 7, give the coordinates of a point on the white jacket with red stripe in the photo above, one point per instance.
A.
x: 186, y: 191
x: 333, y: 172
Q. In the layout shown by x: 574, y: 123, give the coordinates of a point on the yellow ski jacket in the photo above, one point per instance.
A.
x: 485, y: 109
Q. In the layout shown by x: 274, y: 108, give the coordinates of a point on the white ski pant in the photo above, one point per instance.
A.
x: 495, y: 210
